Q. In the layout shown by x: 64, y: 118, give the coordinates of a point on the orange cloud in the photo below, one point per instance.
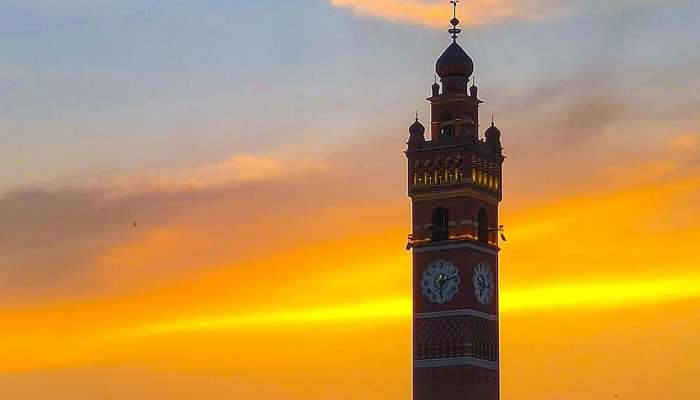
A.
x: 236, y: 169
x: 177, y: 279
x: 434, y: 14
x: 688, y: 143
x: 264, y: 275
x: 477, y: 12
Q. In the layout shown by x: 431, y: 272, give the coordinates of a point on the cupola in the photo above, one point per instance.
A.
x: 416, y: 133
x: 493, y: 137
x: 454, y: 66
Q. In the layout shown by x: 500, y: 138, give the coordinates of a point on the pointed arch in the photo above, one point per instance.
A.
x: 440, y: 219
x: 483, y: 226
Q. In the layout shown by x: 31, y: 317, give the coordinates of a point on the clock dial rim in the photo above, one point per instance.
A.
x: 484, y: 288
x: 451, y: 281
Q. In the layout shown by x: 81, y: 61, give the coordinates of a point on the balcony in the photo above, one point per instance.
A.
x: 460, y: 230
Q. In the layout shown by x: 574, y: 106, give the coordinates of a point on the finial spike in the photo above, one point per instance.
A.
x: 493, y: 121
x: 454, y: 22
x: 416, y: 115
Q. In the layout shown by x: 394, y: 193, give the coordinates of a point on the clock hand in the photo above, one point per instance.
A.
x: 439, y: 284
x: 443, y: 281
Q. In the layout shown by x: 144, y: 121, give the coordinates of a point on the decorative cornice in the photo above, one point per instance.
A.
x: 456, y: 362
x: 451, y: 98
x: 452, y: 246
x: 445, y: 194
x: 456, y: 313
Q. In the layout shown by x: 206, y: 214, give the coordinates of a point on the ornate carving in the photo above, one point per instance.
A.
x: 431, y: 173
x: 462, y: 336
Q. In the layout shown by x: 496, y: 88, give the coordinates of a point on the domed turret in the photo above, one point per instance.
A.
x: 454, y: 67
x: 435, y: 89
x: 416, y: 133
x: 454, y: 61
x: 474, y: 90
x: 492, y: 132
x: 493, y: 137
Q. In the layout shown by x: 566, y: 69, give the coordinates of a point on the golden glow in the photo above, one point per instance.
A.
x: 614, y: 292
x: 75, y: 347
x: 436, y: 13
x: 597, y: 295
x: 387, y: 309
x: 190, y: 300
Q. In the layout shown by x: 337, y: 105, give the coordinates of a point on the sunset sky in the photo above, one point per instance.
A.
x: 206, y: 199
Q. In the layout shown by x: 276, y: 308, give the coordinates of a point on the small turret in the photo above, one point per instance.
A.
x: 435, y: 88
x: 493, y: 137
x: 474, y: 90
x: 416, y: 133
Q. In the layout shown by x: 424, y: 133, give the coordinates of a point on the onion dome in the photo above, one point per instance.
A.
x: 492, y: 132
x: 454, y: 61
x: 416, y: 133
x: 435, y: 89
x: 493, y: 138
x: 474, y: 91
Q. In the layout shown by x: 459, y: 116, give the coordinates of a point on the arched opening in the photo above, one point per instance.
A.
x: 440, y: 219
x: 447, y: 124
x: 448, y: 130
x: 483, y: 226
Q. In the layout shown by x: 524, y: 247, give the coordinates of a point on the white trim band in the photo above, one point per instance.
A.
x: 456, y: 313
x: 423, y: 249
x: 456, y: 362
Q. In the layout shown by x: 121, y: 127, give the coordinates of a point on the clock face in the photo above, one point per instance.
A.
x: 483, y: 283
x: 440, y: 281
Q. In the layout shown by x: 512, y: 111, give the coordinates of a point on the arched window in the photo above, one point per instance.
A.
x: 483, y: 226
x: 447, y: 124
x: 440, y: 219
x: 448, y: 130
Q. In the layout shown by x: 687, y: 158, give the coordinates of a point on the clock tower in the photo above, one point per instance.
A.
x: 455, y: 185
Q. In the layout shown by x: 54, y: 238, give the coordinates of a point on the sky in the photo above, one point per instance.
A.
x: 207, y: 199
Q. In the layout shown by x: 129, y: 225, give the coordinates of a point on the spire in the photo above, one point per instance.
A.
x: 435, y: 87
x: 474, y: 90
x: 454, y: 31
x: 454, y: 66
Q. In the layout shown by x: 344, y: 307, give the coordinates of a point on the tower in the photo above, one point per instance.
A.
x: 455, y: 185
